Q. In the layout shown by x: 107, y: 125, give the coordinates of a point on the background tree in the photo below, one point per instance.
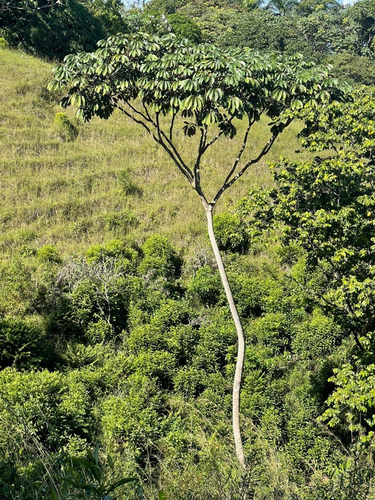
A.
x: 52, y: 32
x: 163, y: 84
x: 327, y: 205
x: 25, y: 5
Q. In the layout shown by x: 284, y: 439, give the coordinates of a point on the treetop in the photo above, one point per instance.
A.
x: 206, y: 84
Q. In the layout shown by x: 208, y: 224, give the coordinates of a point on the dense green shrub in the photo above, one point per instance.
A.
x: 206, y: 286
x: 231, y: 233
x: 185, y: 27
x: 359, y: 70
x: 123, y: 256
x: 22, y: 344
x: 251, y: 293
x: 132, y: 419
x: 315, y: 337
x: 48, y: 253
x: 190, y: 381
x: 217, y: 335
x: 160, y: 260
x: 90, y: 293
x: 149, y: 377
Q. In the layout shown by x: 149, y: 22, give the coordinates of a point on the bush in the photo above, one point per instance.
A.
x: 48, y: 253
x: 90, y: 294
x: 132, y: 419
x: 231, y: 233
x: 206, y: 286
x: 114, y: 249
x: 3, y: 43
x: 250, y: 293
x: 67, y: 131
x: 217, y: 335
x: 185, y: 27
x: 316, y: 337
x: 190, y: 381
x: 359, y: 69
x: 128, y: 187
x: 160, y: 259
x: 21, y: 345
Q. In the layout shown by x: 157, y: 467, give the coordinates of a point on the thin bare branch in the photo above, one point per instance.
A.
x: 137, y: 120
x: 209, y: 144
x: 133, y: 108
x: 197, y: 176
x: 240, y: 153
x: 172, y: 125
x: 172, y: 151
x: 147, y: 113
x: 230, y: 183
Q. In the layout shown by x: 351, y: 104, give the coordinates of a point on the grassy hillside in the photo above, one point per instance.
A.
x: 112, y: 181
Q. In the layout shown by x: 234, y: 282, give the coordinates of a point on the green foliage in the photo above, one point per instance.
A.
x: 48, y: 253
x: 128, y: 187
x: 90, y: 293
x: 251, y: 294
x: 161, y: 84
x: 357, y: 69
x: 54, y: 31
x: 160, y: 260
x: 326, y: 206
x: 150, y: 377
x: 65, y: 128
x: 22, y: 344
x: 231, y: 233
x: 352, y: 402
x: 86, y: 477
x: 206, y: 286
x: 3, y: 43
x: 159, y: 7
x: 363, y: 14
x: 132, y: 419
x: 117, y: 250
x: 184, y: 27
x: 316, y: 337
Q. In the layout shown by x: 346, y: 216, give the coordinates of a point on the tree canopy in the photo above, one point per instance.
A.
x: 146, y: 74
x: 149, y: 77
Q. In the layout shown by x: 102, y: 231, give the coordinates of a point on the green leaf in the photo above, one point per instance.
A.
x: 115, y: 485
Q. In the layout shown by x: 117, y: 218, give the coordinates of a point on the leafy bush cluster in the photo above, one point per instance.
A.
x: 118, y: 349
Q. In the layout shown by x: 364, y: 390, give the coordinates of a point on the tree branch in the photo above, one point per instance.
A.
x: 172, y: 125
x: 147, y: 118
x: 172, y: 151
x: 229, y: 183
x: 217, y: 136
x: 197, y: 176
x: 242, y: 149
x: 136, y: 120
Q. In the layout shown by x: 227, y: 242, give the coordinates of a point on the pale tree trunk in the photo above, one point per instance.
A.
x: 240, y: 336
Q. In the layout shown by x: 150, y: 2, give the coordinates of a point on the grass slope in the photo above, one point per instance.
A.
x: 113, y: 181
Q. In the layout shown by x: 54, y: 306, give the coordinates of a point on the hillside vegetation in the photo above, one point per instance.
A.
x: 117, y: 348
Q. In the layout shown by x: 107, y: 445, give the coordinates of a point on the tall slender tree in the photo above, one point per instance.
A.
x: 162, y: 83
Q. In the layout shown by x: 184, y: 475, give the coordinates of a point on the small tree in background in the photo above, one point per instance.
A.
x: 163, y: 83
x: 326, y: 206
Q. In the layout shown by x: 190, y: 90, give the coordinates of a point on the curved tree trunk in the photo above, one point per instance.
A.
x: 241, y: 340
